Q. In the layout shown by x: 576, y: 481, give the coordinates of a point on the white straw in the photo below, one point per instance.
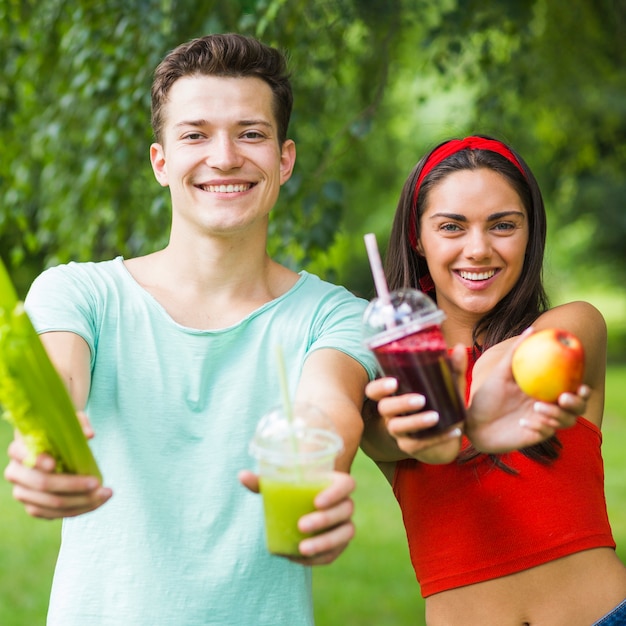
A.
x: 382, y: 289
x: 377, y: 267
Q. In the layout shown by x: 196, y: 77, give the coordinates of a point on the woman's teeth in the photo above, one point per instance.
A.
x: 477, y: 275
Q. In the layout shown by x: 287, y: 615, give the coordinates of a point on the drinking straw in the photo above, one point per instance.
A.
x: 284, y: 387
x: 382, y: 289
x: 377, y: 268
x: 288, y: 408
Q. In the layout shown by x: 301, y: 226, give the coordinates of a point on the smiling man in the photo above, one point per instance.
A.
x: 171, y: 358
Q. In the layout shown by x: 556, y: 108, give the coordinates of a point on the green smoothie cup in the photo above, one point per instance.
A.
x: 295, y: 454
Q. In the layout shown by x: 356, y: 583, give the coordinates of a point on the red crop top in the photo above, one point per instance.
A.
x: 471, y: 522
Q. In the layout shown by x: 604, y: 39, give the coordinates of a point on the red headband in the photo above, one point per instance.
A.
x: 448, y: 149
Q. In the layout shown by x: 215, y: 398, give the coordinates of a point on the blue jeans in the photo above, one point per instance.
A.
x: 616, y: 617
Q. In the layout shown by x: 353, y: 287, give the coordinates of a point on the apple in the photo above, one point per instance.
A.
x: 549, y: 363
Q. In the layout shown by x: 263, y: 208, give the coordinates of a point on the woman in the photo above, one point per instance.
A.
x: 506, y: 524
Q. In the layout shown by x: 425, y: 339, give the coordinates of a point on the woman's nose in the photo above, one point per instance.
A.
x: 478, y: 245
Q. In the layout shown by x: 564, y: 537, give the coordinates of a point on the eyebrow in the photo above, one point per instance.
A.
x: 243, y: 123
x: 462, y: 218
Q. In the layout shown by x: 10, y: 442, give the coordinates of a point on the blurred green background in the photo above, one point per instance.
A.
x: 377, y: 83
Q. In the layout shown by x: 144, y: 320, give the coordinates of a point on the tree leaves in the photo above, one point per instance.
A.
x: 376, y: 83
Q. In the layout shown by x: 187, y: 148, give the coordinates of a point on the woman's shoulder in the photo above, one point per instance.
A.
x: 576, y: 307
x: 579, y: 317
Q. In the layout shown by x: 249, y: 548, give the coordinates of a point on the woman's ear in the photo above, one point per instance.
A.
x: 419, y: 249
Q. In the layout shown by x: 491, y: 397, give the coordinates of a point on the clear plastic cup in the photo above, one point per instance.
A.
x: 404, y: 333
x: 296, y: 458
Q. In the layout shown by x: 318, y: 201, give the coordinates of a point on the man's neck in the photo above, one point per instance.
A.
x: 211, y: 286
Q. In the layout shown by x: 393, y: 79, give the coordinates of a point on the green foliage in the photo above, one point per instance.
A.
x: 74, y: 105
x: 376, y: 83
x: 552, y: 82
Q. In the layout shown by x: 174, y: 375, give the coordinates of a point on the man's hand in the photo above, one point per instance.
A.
x: 47, y: 494
x: 331, y: 522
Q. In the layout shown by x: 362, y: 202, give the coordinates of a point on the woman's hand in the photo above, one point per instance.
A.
x: 403, y: 417
x: 331, y: 522
x: 501, y: 417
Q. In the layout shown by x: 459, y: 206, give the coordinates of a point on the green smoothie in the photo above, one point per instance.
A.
x: 285, y: 503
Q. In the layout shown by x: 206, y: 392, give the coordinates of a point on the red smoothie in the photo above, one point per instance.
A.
x: 420, y: 363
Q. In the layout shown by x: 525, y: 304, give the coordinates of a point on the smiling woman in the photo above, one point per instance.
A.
x: 475, y: 257
x: 470, y: 231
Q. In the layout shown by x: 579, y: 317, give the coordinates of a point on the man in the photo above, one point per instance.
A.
x: 172, y: 358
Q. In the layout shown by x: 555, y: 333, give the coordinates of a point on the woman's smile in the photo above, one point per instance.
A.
x: 474, y: 234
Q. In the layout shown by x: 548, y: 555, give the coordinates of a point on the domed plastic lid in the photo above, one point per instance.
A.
x: 307, y: 435
x: 406, y: 312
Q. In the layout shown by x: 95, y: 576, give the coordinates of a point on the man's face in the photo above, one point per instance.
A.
x: 220, y: 154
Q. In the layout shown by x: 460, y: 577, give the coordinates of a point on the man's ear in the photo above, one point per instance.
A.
x: 287, y: 160
x: 159, y: 167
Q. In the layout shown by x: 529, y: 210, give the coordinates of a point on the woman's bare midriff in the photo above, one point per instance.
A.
x: 575, y: 590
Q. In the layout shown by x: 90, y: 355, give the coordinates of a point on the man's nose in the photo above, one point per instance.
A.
x: 224, y: 154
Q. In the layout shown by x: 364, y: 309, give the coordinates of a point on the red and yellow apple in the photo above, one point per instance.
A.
x: 548, y: 363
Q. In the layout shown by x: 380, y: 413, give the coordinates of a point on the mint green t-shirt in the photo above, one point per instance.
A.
x: 181, y: 542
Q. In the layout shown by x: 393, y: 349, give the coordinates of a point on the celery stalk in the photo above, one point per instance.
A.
x: 32, y: 394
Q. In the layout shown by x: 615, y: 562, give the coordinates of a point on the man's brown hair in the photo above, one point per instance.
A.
x: 229, y: 55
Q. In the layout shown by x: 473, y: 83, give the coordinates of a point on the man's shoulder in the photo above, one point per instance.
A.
x: 77, y: 276
x: 313, y: 282
x: 84, y: 267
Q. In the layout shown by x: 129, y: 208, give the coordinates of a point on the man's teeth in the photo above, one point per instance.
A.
x: 226, y: 188
x: 477, y: 275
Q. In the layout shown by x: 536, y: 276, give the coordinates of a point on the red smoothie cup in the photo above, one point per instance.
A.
x: 404, y: 333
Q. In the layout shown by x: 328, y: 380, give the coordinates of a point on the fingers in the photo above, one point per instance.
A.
x: 575, y: 403
x: 325, y: 548
x: 341, y: 488
x: 249, y: 480
x: 435, y: 449
x: 561, y: 415
x: 381, y: 388
x: 548, y: 416
x: 408, y: 425
x: 395, y: 406
x: 86, y: 425
x: 47, y: 494
x: 50, y: 495
x: 331, y: 524
x: 458, y: 358
x: 18, y: 452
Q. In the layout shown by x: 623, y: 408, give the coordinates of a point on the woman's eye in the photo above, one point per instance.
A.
x: 193, y: 136
x: 504, y: 226
x: 449, y: 228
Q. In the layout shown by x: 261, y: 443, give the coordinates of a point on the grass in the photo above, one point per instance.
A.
x: 27, y: 555
x: 371, y: 584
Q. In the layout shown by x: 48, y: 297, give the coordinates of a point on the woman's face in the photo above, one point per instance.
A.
x: 473, y: 234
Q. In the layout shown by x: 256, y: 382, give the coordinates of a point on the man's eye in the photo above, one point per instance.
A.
x: 253, y: 134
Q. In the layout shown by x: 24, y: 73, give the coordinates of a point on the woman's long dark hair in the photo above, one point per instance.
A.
x: 405, y: 267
